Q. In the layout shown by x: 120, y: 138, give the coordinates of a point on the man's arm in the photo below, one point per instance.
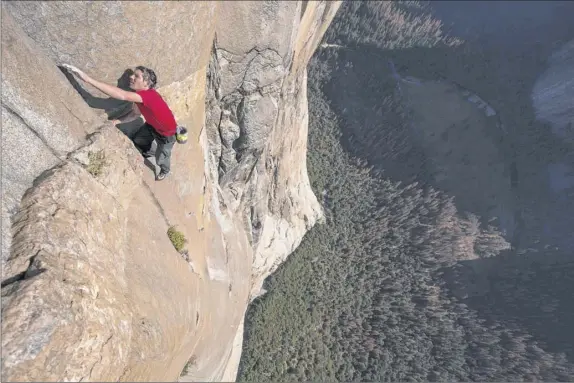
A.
x: 113, y: 91
x: 110, y: 90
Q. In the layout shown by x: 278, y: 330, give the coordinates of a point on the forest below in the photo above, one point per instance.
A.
x: 409, y: 279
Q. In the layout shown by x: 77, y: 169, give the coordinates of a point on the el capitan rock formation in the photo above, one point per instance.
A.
x: 92, y: 287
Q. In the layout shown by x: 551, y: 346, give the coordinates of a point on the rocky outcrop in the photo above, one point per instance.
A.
x: 93, y: 289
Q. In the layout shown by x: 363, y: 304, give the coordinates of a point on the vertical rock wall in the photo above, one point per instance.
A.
x: 257, y: 122
x: 92, y: 288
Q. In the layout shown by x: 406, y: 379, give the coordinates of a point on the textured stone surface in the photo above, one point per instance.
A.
x: 35, y: 89
x: 245, y: 26
x: 106, y: 37
x: 79, y: 292
x: 42, y: 118
x: 93, y: 289
x: 111, y: 299
x: 260, y: 87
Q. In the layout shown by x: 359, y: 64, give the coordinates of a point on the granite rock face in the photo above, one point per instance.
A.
x: 257, y: 124
x: 92, y: 287
x: 42, y: 118
x: 106, y: 37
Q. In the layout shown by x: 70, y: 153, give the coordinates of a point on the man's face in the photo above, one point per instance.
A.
x: 137, y: 81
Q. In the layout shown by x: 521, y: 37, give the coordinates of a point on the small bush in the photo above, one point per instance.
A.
x: 190, y: 363
x: 177, y: 238
x: 97, y: 163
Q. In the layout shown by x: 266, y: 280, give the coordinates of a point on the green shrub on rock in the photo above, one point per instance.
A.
x: 177, y: 238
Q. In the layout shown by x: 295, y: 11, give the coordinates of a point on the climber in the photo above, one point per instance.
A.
x: 160, y: 122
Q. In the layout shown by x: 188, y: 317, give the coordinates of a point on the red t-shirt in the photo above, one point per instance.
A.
x: 156, y: 112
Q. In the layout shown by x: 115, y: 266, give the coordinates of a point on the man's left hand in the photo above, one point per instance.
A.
x: 76, y: 71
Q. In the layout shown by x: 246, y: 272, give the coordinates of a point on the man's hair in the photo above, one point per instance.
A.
x: 148, y: 76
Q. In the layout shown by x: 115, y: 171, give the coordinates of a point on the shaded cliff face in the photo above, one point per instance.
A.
x: 257, y: 123
x: 92, y: 287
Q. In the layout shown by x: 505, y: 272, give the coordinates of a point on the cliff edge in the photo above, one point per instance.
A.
x: 92, y: 288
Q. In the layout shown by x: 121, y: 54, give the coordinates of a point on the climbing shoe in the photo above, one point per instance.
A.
x: 162, y: 174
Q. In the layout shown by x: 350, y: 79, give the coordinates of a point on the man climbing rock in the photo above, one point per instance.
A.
x: 160, y: 122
